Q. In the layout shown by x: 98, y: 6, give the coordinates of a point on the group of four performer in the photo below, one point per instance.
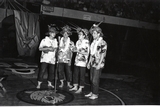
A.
x: 90, y: 55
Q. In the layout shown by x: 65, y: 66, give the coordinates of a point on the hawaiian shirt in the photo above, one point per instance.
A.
x: 65, y: 54
x: 100, y: 49
x: 82, y: 59
x: 48, y: 57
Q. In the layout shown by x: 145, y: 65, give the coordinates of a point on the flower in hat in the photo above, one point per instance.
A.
x: 97, y: 29
x: 67, y: 29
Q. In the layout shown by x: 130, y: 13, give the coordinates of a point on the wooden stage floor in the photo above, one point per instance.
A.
x: 114, y: 90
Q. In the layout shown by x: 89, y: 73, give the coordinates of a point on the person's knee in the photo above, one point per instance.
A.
x: 95, y: 81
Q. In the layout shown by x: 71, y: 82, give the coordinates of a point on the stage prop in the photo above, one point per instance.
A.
x: 45, y: 96
x: 27, y: 33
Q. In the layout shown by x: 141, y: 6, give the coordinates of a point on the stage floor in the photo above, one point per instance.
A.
x: 115, y: 89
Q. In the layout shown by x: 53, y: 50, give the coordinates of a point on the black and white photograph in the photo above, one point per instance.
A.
x: 79, y: 52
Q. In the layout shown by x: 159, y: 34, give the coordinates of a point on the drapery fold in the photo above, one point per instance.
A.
x: 27, y: 33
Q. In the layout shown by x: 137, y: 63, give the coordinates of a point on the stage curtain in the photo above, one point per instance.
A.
x: 27, y: 33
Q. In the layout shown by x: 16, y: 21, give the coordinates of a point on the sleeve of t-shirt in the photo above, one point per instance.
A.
x: 42, y: 43
x: 103, y: 47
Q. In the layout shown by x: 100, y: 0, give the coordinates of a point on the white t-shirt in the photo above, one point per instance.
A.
x: 48, y: 57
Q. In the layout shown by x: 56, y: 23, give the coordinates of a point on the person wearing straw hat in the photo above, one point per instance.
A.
x: 81, y: 59
x: 48, y: 47
x: 96, y: 62
x: 66, y: 47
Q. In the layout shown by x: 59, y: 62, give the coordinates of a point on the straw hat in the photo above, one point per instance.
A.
x: 84, y: 31
x: 67, y: 29
x: 52, y: 28
x: 97, y: 29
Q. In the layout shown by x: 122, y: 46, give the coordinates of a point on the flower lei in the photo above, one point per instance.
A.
x: 80, y: 44
x: 94, y: 45
x: 65, y: 45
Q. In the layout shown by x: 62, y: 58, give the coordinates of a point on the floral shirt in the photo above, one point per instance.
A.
x: 48, y: 57
x: 82, y: 59
x: 99, y: 47
x: 65, y: 51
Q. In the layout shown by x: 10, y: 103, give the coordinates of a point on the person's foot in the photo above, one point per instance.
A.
x: 88, y: 95
x: 61, y: 85
x: 78, y: 91
x: 70, y: 86
x: 74, y: 88
x: 93, y: 97
x: 50, y: 86
x: 38, y: 87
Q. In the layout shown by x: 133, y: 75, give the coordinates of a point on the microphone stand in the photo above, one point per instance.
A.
x: 56, y: 65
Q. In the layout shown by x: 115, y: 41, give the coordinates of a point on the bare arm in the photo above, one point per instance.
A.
x: 47, y: 49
